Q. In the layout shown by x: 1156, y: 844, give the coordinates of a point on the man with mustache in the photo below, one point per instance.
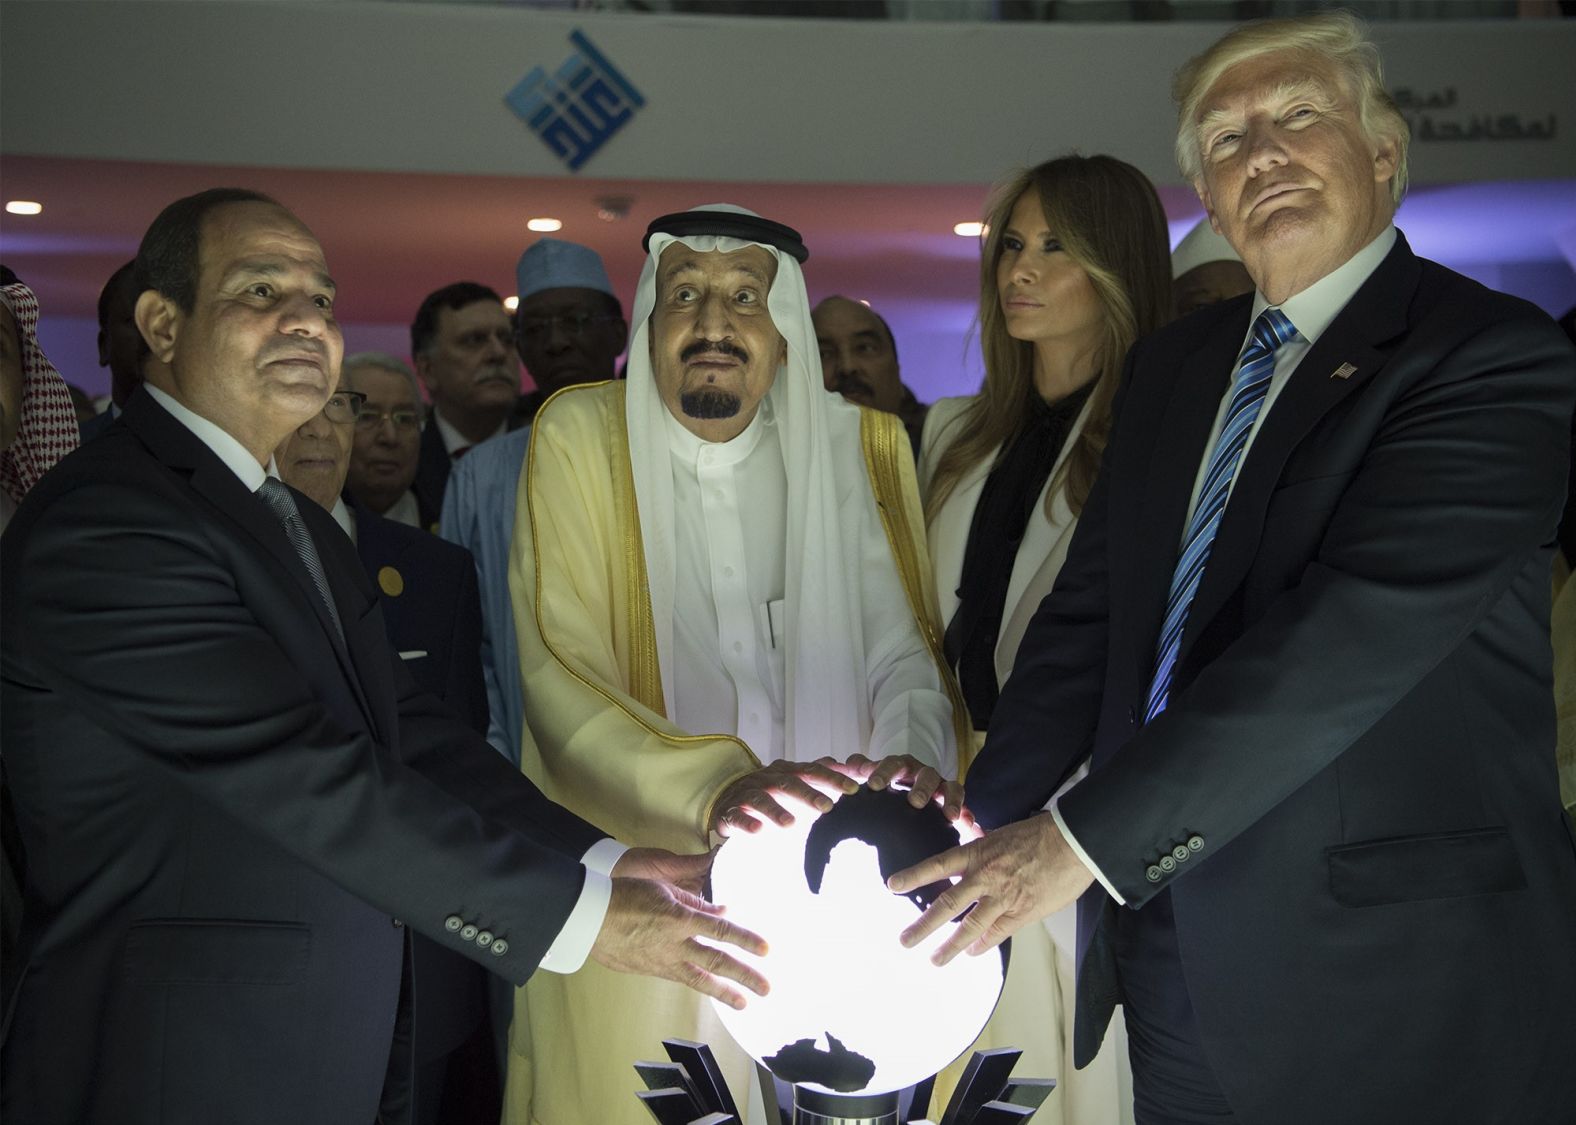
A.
x: 721, y: 605
x: 463, y: 347
x: 859, y: 361
x: 236, y: 803
x: 1302, y: 640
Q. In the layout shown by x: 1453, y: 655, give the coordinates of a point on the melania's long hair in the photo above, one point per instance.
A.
x: 1108, y: 218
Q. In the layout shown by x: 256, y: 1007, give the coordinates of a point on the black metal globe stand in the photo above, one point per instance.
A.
x: 689, y: 1090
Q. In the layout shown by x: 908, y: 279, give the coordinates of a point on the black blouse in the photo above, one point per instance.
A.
x: 1000, y: 519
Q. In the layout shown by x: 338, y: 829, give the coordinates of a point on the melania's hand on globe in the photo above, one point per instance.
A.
x: 1013, y: 876
x: 924, y: 781
x: 654, y: 929
x: 753, y: 798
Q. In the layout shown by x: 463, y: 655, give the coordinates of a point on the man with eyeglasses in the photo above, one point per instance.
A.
x: 387, y: 443
x: 569, y: 329
x: 433, y: 618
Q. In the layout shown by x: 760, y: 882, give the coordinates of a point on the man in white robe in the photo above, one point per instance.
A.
x: 717, y: 565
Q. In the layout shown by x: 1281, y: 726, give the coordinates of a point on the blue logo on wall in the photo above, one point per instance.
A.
x: 579, y: 107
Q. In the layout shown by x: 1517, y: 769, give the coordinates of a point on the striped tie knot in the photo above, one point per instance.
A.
x: 1271, y: 330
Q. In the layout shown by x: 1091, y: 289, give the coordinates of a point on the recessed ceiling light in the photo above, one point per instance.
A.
x: 511, y: 303
x: 545, y: 225
x: 864, y: 302
x: 24, y: 207
x: 968, y: 230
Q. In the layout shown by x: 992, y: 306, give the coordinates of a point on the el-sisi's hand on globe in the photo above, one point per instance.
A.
x: 753, y: 798
x: 1013, y: 876
x: 925, y: 781
x: 651, y: 928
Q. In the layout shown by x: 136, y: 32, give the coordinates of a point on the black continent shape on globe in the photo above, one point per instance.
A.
x: 837, y: 1069
x: 901, y: 835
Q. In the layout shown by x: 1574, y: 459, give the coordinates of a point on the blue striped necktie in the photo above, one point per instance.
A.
x: 274, y: 494
x: 1270, y: 331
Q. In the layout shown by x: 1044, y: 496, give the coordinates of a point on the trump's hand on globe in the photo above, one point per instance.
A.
x: 1012, y: 876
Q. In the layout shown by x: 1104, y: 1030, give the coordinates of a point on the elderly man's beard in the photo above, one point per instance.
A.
x: 712, y: 402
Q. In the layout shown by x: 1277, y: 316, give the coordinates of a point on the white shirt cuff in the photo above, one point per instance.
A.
x: 1072, y: 842
x: 574, y: 941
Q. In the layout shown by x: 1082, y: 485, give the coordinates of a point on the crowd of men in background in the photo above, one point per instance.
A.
x: 421, y: 466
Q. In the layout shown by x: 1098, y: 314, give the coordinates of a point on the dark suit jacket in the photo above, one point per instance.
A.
x: 97, y: 425
x: 432, y: 475
x: 232, y: 818
x: 1375, y: 892
x: 431, y: 607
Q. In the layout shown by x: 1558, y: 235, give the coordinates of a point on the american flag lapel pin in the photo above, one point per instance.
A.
x: 1344, y: 371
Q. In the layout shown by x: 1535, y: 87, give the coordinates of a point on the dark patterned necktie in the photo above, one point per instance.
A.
x: 1270, y: 331
x: 274, y: 494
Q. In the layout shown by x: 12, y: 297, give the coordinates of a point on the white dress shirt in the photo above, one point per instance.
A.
x: 729, y: 507
x: 573, y: 943
x: 1310, y: 312
x: 405, y: 510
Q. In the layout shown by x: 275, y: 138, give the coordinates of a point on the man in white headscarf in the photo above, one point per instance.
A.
x: 716, y: 565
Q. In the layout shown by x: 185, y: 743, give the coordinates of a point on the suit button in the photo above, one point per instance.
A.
x: 453, y: 923
x: 499, y: 947
x: 1132, y: 716
x: 469, y: 933
x: 1195, y: 843
x: 398, y: 925
x: 484, y: 939
x: 1167, y: 864
x: 1180, y: 853
x: 1153, y: 873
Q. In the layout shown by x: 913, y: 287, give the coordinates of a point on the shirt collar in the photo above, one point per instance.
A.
x: 1312, y: 310
x: 688, y: 448
x: 223, y: 445
x: 453, y: 439
x: 341, y: 513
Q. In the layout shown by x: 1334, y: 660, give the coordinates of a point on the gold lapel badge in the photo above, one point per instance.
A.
x: 1344, y: 371
x: 391, y: 582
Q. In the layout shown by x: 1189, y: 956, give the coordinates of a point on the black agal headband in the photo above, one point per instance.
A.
x: 729, y: 224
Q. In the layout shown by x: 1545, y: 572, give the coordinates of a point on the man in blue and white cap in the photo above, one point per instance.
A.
x: 569, y: 328
x: 721, y: 597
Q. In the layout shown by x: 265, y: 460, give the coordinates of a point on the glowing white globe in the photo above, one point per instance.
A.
x: 850, y: 1010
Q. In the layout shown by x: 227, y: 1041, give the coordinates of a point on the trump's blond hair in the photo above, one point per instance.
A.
x: 1337, y: 38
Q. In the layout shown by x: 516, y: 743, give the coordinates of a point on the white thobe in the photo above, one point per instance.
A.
x: 729, y: 641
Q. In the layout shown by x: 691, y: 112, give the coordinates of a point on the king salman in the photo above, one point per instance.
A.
x: 722, y: 601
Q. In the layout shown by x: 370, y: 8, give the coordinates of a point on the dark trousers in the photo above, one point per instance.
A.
x: 1173, y: 1081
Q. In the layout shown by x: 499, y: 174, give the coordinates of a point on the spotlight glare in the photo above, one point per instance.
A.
x: 24, y: 207
x: 545, y: 225
x: 511, y: 303
x: 968, y: 230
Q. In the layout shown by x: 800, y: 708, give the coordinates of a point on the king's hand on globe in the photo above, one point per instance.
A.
x: 756, y: 798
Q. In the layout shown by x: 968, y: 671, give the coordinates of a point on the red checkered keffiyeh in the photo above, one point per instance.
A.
x: 48, y: 427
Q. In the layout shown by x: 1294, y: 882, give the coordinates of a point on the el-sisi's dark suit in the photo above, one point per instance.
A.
x: 232, y: 819
x: 1351, y: 799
